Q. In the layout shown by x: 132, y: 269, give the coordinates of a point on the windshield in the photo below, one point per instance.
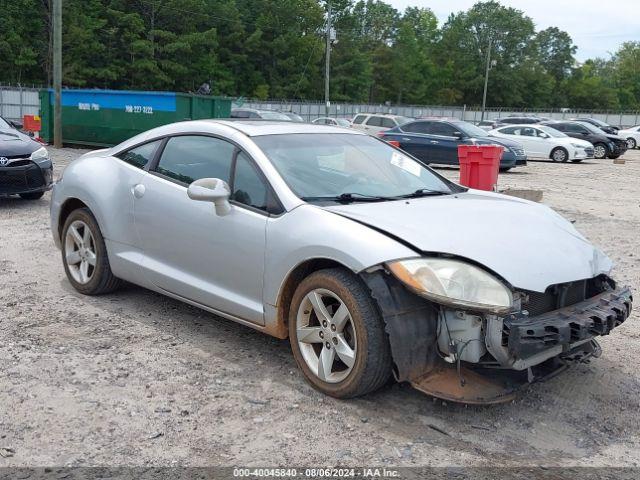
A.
x: 599, y: 122
x: 343, y: 122
x: 471, y: 130
x: 330, y: 165
x: 274, y: 116
x: 551, y: 131
x: 401, y: 119
x: 592, y: 128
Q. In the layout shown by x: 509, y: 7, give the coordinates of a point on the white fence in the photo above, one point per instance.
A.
x: 15, y: 102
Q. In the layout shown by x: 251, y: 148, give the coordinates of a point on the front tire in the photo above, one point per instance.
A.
x: 84, y: 255
x: 559, y: 154
x: 31, y: 195
x: 631, y: 143
x: 599, y: 150
x: 337, y: 334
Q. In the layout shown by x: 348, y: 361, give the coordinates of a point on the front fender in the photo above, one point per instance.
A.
x: 309, y: 232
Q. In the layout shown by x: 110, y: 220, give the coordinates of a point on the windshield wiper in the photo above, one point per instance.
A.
x: 350, y: 197
x: 425, y: 192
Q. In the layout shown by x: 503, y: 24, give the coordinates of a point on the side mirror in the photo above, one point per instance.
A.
x: 458, y: 135
x: 211, y: 190
x: 545, y: 136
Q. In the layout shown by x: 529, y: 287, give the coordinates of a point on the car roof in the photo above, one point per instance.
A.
x: 253, y: 128
x: 528, y: 125
x: 388, y: 115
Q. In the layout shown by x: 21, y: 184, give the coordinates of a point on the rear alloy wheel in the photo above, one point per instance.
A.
x: 559, y: 154
x: 337, y: 335
x: 599, y: 150
x: 84, y: 255
x: 631, y: 143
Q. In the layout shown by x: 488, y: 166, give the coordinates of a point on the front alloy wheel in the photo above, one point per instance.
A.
x: 326, y: 337
x: 631, y: 143
x: 599, y: 150
x: 337, y: 334
x: 559, y: 155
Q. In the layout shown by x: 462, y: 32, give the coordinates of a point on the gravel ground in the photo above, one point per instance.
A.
x: 135, y: 378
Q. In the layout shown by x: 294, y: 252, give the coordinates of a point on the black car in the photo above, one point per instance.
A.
x: 604, y: 126
x: 25, y: 166
x: 436, y: 141
x: 604, y: 144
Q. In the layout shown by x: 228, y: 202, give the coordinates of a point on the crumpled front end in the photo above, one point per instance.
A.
x: 481, y: 358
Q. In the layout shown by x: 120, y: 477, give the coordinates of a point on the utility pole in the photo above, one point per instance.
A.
x: 486, y: 80
x: 327, y: 62
x: 57, y: 73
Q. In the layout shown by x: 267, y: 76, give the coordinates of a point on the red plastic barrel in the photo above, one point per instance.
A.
x: 479, y: 165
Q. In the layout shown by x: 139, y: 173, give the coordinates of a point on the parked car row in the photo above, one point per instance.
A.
x: 435, y: 140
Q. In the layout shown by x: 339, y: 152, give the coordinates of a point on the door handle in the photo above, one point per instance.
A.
x: 405, y: 139
x: 434, y: 142
x: 138, y: 190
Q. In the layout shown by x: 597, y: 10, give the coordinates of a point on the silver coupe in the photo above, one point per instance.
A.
x: 372, y: 264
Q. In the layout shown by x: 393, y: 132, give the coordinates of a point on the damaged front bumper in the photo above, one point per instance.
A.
x: 526, y: 341
x: 509, y: 351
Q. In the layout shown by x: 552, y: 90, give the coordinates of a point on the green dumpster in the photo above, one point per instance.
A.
x: 108, y: 117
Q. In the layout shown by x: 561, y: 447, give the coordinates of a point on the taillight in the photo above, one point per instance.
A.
x: 394, y: 143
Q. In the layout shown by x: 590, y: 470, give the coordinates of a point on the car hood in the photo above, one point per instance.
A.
x: 616, y: 138
x: 575, y: 141
x: 13, y: 143
x: 507, y: 142
x: 527, y: 244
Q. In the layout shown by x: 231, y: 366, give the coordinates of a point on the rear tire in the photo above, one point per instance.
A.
x: 504, y: 169
x: 559, y: 154
x: 370, y: 356
x: 599, y: 151
x: 631, y: 143
x: 84, y: 255
x: 32, y: 195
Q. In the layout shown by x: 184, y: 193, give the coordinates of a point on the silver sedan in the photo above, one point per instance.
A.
x: 370, y: 262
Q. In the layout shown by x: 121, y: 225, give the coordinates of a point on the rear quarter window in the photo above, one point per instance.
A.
x: 140, y: 156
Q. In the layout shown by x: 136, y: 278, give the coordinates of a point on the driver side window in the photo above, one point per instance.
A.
x: 187, y: 158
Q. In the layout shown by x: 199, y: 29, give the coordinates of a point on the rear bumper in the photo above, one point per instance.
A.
x: 560, y: 330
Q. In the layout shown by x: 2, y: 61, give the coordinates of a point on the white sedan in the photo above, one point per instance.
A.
x: 540, y: 141
x: 632, y: 135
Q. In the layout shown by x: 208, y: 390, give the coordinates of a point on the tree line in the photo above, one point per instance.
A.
x: 275, y: 49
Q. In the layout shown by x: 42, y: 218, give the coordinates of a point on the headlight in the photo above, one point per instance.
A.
x: 454, y: 283
x: 577, y: 145
x: 39, y: 154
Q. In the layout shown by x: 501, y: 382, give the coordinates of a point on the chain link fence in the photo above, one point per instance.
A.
x: 312, y: 110
x: 15, y: 102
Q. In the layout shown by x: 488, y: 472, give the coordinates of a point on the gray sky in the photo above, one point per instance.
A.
x: 597, y: 27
